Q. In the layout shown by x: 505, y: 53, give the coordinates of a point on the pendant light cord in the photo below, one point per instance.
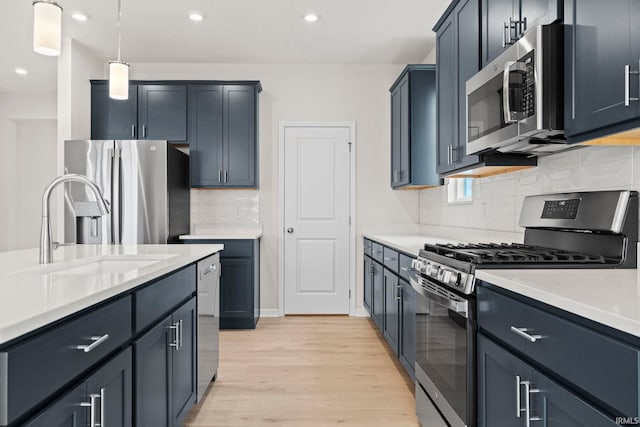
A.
x: 118, y: 25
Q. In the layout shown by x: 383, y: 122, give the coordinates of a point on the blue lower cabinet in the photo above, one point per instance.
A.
x: 239, y: 282
x: 153, y: 379
x: 106, y: 395
x: 66, y: 412
x: 391, y: 309
x: 407, y: 351
x: 166, y: 370
x: 184, y: 362
x: 377, y: 311
x: 510, y: 391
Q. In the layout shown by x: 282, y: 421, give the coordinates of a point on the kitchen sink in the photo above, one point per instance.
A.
x: 102, y: 265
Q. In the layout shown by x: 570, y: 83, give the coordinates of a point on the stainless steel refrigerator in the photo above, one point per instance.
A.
x: 145, y: 182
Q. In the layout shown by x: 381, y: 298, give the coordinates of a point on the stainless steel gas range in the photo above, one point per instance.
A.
x: 565, y: 230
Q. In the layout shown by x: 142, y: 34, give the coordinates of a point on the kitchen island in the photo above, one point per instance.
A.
x: 101, y: 334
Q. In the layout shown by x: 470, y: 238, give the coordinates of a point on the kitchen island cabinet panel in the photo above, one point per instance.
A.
x: 153, y: 376
x: 66, y: 412
x: 184, y: 362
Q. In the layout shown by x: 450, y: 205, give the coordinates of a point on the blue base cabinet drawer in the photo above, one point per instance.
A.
x: 160, y: 297
x: 390, y: 258
x: 603, y: 367
x: 34, y: 369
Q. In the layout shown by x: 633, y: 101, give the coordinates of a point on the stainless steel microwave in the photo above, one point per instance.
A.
x: 515, y: 103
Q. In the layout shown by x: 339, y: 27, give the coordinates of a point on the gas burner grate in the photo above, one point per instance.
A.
x: 514, y: 253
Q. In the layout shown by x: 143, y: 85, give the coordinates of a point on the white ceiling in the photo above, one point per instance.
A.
x: 233, y: 31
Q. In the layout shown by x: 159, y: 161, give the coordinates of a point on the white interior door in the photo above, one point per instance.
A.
x: 316, y: 220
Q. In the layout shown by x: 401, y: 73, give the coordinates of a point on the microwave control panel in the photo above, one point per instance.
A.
x: 528, y: 85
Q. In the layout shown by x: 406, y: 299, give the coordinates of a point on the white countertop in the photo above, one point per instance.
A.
x: 34, y: 295
x: 225, y: 232
x: 610, y: 297
x: 222, y: 236
x: 607, y: 296
x: 411, y: 241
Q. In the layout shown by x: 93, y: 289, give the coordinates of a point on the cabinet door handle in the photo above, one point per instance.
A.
x: 454, y: 158
x: 92, y: 409
x: 180, y: 329
x: 220, y: 176
x: 103, y: 393
x: 226, y: 176
x: 518, y: 397
x: 96, y: 342
x: 398, y: 292
x: 174, y: 327
x: 528, y: 391
x: 522, y: 332
x: 144, y: 131
x: 133, y: 131
x: 627, y: 83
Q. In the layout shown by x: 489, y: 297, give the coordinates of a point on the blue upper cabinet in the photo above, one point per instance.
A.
x: 504, y: 21
x: 240, y: 135
x: 223, y: 135
x: 153, y: 111
x: 110, y: 118
x: 458, y: 58
x: 162, y: 112
x: 205, y: 135
x: 602, y: 58
x: 413, y: 128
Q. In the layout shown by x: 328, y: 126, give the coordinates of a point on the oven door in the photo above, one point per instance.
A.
x: 445, y: 350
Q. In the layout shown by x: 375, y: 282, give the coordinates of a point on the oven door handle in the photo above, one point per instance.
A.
x: 460, y: 307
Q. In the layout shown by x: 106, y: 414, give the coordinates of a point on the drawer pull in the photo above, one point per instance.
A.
x: 408, y: 269
x: 522, y: 332
x: 96, y: 342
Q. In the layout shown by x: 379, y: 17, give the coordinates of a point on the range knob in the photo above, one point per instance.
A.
x: 457, y: 279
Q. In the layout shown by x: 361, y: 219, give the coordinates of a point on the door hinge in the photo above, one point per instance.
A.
x: 349, y: 293
x: 349, y: 146
x: 349, y: 219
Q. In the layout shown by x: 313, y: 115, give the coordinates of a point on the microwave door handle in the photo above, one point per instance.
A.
x: 506, y: 99
x: 510, y: 67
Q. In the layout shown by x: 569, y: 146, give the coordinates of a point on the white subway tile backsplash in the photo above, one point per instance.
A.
x: 214, y: 207
x: 497, y: 200
x: 606, y: 175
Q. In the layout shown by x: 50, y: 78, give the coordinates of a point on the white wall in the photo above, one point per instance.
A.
x: 431, y: 57
x: 35, y: 149
x: 14, y: 109
x: 314, y: 93
x: 497, y: 200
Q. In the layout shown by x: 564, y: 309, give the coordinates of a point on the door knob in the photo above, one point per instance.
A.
x: 290, y: 230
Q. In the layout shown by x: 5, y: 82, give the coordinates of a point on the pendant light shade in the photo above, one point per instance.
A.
x: 118, y: 80
x: 47, y: 27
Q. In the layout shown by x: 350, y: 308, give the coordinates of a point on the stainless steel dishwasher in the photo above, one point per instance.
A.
x: 208, y: 321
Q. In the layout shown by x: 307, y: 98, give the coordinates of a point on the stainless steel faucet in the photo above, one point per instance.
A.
x: 46, y: 245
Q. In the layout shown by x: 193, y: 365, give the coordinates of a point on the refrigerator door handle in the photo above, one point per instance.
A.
x: 115, y: 191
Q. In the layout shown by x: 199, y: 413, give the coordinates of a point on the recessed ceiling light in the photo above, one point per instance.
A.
x: 21, y: 71
x: 195, y: 16
x: 78, y: 16
x: 311, y: 17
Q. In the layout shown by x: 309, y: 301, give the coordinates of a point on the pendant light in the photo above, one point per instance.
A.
x: 47, y: 27
x: 119, y: 70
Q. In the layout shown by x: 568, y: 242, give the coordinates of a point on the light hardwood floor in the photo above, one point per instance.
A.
x: 307, y: 372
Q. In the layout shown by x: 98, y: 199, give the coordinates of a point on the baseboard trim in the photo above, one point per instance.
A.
x: 361, y: 312
x: 269, y: 312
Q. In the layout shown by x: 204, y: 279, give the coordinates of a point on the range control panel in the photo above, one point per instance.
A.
x: 561, y: 209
